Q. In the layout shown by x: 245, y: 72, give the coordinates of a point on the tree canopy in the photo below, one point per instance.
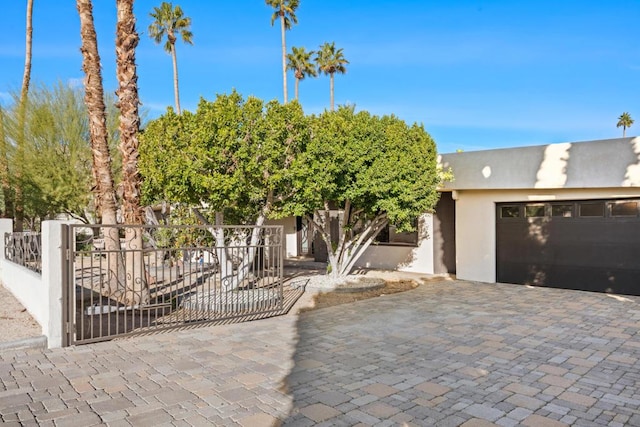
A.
x: 253, y: 160
x: 371, y: 171
x: 57, y: 152
x: 232, y: 155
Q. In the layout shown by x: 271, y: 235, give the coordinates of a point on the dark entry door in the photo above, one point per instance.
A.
x: 591, y: 245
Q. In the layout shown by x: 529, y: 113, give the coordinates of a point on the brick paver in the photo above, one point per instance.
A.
x: 448, y: 353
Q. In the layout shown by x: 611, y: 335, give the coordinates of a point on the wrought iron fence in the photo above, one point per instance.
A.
x: 25, y: 249
x: 133, y: 279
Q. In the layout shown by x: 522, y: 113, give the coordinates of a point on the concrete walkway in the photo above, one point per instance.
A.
x: 447, y: 353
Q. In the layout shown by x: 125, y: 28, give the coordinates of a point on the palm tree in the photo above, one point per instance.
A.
x: 300, y: 62
x: 625, y: 121
x: 103, y: 189
x: 22, y: 114
x: 171, y: 22
x: 128, y: 100
x: 285, y: 10
x: 331, y: 61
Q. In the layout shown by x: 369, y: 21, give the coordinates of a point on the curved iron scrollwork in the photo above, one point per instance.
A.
x: 24, y: 249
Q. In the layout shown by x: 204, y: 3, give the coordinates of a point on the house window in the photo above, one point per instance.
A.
x: 510, y: 212
x: 592, y: 209
x: 390, y: 236
x: 624, y: 209
x: 534, y: 211
x: 564, y: 211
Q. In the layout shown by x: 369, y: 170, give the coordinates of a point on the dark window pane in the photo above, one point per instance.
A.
x: 624, y: 209
x: 565, y: 211
x: 534, y: 211
x: 592, y: 209
x: 390, y: 235
x: 509, y: 212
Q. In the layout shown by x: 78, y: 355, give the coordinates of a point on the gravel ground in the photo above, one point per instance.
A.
x: 15, y: 321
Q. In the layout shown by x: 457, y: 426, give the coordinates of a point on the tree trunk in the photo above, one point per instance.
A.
x: 176, y: 92
x: 22, y: 116
x: 284, y: 56
x: 343, y: 255
x: 128, y: 101
x: 297, y: 83
x: 233, y: 279
x: 103, y: 188
x: 331, y: 89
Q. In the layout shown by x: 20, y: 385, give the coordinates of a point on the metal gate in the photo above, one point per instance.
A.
x: 124, y: 280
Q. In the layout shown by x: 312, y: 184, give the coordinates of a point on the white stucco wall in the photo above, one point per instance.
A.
x: 40, y: 294
x: 28, y: 288
x: 476, y: 223
x: 606, y: 163
x: 417, y: 259
x: 290, y: 236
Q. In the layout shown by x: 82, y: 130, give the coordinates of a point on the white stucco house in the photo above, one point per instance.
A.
x: 562, y: 215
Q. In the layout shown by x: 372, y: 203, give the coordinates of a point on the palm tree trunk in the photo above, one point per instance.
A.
x: 297, y: 83
x: 176, y: 92
x: 284, y: 57
x: 126, y: 41
x: 624, y: 131
x: 103, y: 189
x: 331, y: 89
x: 22, y: 116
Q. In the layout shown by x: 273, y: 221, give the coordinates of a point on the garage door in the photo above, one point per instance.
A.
x: 591, y: 245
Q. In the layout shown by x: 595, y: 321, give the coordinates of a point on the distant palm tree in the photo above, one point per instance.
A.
x: 171, y: 22
x: 285, y: 10
x: 625, y: 121
x: 300, y: 62
x: 331, y: 61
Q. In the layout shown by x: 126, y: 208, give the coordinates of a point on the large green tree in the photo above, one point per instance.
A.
x: 57, y: 153
x: 233, y: 156
x: 251, y: 161
x: 299, y: 60
x: 624, y: 121
x: 285, y: 11
x: 170, y: 22
x: 367, y: 172
x: 331, y: 61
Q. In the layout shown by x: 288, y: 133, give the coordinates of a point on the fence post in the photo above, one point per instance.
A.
x: 6, y: 226
x: 53, y: 257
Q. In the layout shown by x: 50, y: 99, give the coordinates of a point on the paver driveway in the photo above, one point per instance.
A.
x: 447, y: 353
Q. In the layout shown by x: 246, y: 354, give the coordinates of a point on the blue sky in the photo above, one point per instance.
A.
x: 477, y: 74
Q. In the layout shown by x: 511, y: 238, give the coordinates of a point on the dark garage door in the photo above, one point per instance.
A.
x: 591, y: 245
